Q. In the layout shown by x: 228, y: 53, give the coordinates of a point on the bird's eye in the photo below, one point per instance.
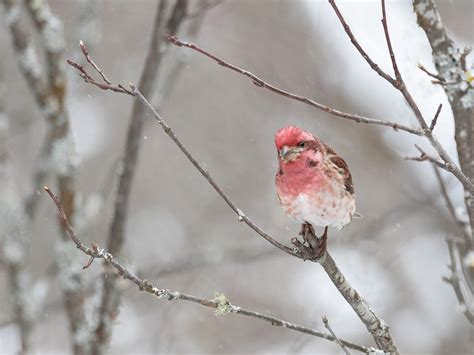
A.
x: 302, y: 144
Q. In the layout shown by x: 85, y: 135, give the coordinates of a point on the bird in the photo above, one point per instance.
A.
x: 313, y: 184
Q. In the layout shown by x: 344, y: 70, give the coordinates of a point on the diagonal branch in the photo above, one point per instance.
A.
x: 263, y: 84
x: 328, y: 327
x: 220, y: 303
x: 423, y: 131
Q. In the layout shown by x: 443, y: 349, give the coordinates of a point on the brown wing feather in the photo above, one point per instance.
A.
x: 334, y: 158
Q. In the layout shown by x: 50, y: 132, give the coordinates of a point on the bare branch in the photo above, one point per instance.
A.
x: 425, y: 157
x: 398, y: 76
x: 91, y: 62
x: 450, y: 63
x: 220, y: 304
x: 424, y: 131
x: 433, y: 75
x: 399, y: 84
x: 435, y: 118
x: 50, y: 94
x: 12, y: 238
x: 356, y: 44
x: 328, y: 327
x: 261, y: 83
x: 449, y: 204
x: 458, y: 281
x: 88, y: 79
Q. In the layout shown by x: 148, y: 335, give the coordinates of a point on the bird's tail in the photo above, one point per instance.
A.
x: 357, y: 215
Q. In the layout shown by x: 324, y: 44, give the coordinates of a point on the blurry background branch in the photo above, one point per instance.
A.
x: 57, y: 154
x: 110, y: 298
x: 451, y: 65
x: 12, y: 231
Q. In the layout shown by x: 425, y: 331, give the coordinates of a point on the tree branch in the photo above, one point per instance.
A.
x: 423, y: 131
x: 449, y: 204
x: 450, y: 63
x: 458, y: 280
x: 263, y: 84
x: 57, y: 156
x: 220, y: 303
x: 110, y: 298
x: 400, y: 85
x: 12, y: 233
x: 328, y: 327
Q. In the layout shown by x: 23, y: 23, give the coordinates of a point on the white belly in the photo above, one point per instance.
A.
x: 321, y: 210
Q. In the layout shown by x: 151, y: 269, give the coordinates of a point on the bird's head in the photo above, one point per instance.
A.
x: 295, y: 145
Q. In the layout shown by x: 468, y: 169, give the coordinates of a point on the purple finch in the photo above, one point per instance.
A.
x: 313, y: 183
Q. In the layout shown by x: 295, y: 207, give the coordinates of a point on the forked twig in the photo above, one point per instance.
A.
x: 328, y: 327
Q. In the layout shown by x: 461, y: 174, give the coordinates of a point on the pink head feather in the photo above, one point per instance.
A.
x: 291, y: 136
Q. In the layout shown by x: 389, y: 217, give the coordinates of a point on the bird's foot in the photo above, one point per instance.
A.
x: 307, y: 232
x: 316, y: 248
x: 322, y: 244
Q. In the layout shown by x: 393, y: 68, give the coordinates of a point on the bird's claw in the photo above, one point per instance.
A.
x: 316, y: 248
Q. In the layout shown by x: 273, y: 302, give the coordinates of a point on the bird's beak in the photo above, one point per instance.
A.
x: 287, y: 153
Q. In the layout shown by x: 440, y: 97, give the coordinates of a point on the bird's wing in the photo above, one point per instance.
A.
x: 343, y: 168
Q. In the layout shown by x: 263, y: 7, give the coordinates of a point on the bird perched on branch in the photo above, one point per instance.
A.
x: 314, y: 186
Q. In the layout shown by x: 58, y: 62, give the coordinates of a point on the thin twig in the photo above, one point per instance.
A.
x: 91, y: 62
x: 439, y: 78
x: 435, y: 118
x: 356, y: 44
x: 458, y: 280
x: 240, y: 214
x: 400, y: 85
x: 425, y: 157
x: 263, y: 84
x: 449, y: 204
x: 398, y: 76
x: 144, y: 285
x: 88, y: 79
x: 328, y: 327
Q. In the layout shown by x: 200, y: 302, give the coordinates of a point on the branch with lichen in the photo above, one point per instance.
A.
x: 220, y: 302
x: 456, y: 78
x: 12, y: 233
x: 48, y: 86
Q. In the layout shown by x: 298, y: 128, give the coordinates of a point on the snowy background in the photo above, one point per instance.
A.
x: 180, y: 233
